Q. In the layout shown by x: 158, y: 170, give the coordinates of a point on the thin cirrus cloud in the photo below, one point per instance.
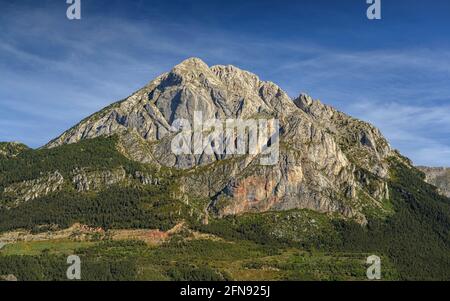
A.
x: 57, y: 73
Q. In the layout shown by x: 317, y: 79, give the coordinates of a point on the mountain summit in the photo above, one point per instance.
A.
x: 218, y: 92
x: 329, y: 162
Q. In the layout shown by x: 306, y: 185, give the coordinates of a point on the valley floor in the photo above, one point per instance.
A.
x: 178, y: 254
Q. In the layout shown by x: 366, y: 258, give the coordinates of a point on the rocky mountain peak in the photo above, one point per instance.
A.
x: 191, y: 70
x: 218, y: 92
x: 228, y: 75
x: 191, y: 63
x: 327, y: 159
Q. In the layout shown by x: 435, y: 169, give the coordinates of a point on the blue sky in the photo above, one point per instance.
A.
x: 394, y: 72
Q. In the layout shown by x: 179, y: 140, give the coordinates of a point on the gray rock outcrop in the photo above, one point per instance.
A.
x: 439, y: 177
x: 33, y: 189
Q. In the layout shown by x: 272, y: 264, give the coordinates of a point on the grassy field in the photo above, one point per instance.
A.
x: 197, y: 259
x: 64, y: 247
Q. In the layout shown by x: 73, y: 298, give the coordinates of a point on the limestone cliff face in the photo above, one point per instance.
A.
x: 439, y: 177
x: 96, y: 180
x: 328, y: 160
x: 32, y: 189
x: 359, y: 140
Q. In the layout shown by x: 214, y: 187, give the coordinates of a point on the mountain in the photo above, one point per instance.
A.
x: 330, y: 191
x: 329, y: 162
x: 439, y: 177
